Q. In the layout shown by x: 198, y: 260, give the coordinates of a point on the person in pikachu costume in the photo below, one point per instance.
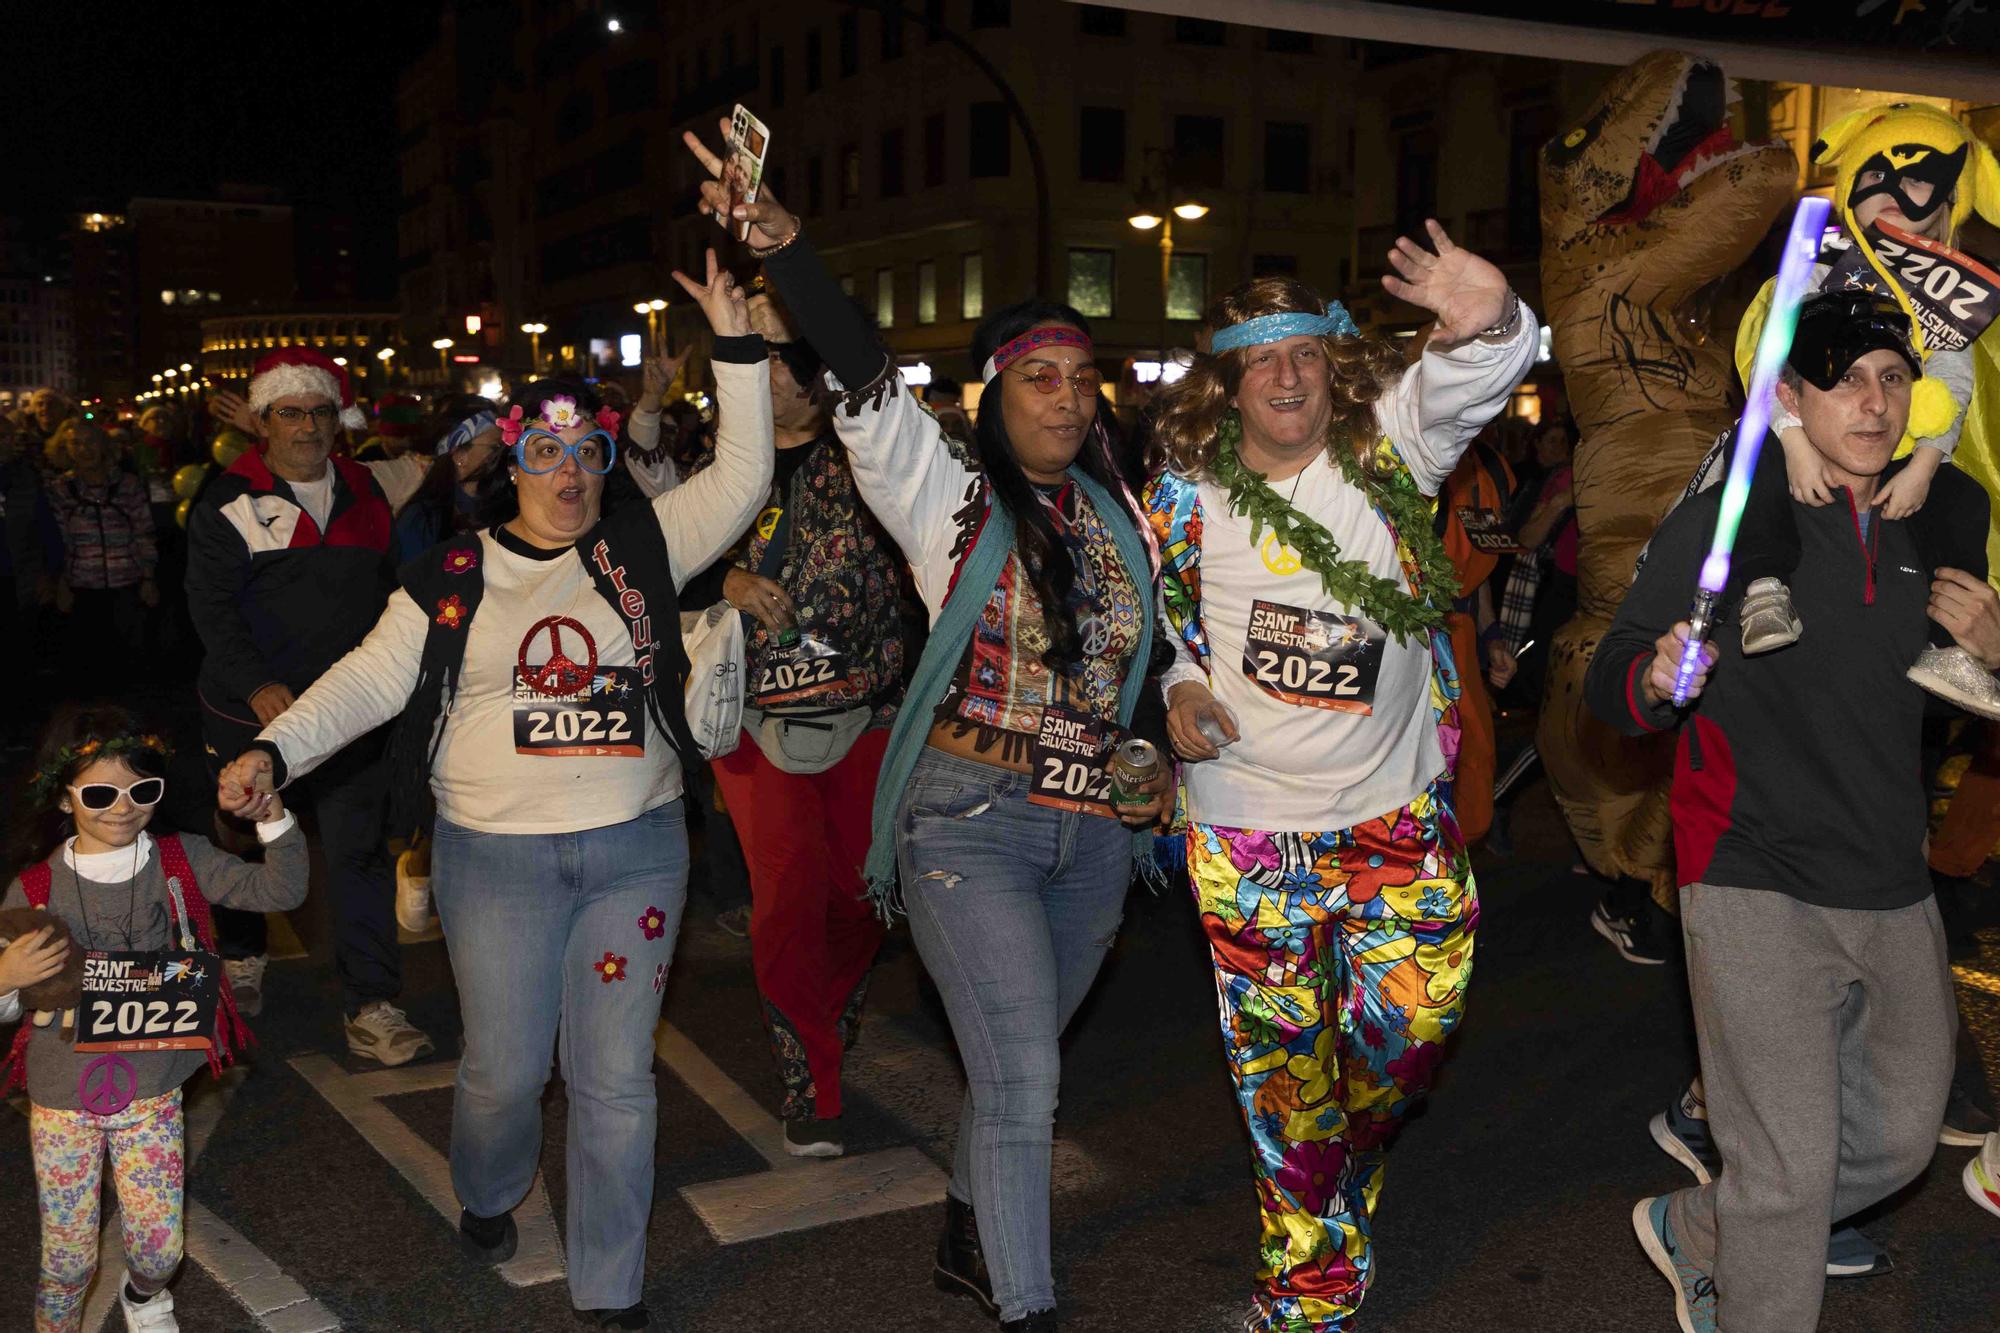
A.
x: 1907, y: 176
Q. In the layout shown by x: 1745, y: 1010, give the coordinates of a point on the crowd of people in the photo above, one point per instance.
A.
x: 981, y: 672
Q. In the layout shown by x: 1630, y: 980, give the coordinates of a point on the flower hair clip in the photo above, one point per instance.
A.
x: 511, y: 426
x: 609, y: 419
x: 560, y: 412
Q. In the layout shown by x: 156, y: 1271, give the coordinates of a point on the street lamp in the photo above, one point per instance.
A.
x: 443, y: 346
x: 651, y: 310
x: 1157, y: 205
x: 534, y: 332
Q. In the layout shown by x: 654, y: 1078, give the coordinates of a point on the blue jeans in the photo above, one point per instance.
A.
x: 1013, y: 907
x: 563, y: 935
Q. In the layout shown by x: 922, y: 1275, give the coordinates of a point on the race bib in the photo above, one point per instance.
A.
x: 1313, y: 658
x: 136, y: 1001
x: 1955, y: 296
x: 604, y: 719
x: 1068, y: 761
x: 810, y: 671
x: 1487, y: 530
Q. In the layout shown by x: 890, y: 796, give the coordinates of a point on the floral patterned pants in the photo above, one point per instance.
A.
x: 144, y: 1142
x: 1341, y: 961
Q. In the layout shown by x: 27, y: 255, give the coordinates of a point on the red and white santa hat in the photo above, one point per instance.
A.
x: 304, y: 372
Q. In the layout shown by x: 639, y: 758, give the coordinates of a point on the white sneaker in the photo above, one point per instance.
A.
x: 246, y: 980
x: 1954, y: 675
x: 413, y: 895
x: 155, y: 1314
x: 1982, y: 1176
x: 383, y: 1032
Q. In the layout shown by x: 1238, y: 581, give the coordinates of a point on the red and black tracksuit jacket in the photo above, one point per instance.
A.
x: 1797, y: 770
x: 276, y: 600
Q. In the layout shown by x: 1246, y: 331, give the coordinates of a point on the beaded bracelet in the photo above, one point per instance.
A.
x: 765, y: 252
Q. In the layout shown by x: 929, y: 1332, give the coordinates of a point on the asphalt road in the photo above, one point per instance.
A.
x: 1505, y: 1206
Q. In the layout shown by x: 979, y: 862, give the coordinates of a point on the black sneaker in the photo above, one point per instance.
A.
x: 1966, y: 1122
x: 490, y: 1240
x: 632, y: 1316
x: 814, y: 1138
x: 1681, y: 1131
x: 1637, y: 936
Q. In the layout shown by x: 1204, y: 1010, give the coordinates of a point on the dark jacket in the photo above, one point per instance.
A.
x: 275, y: 600
x: 1797, y: 770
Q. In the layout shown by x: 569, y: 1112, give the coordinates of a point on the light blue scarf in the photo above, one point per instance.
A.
x: 946, y: 648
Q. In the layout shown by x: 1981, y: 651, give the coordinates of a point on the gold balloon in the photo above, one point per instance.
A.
x: 182, y: 509
x: 228, y: 447
x: 188, y: 480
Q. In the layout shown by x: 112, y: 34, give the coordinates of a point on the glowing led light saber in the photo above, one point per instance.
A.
x: 1802, y: 245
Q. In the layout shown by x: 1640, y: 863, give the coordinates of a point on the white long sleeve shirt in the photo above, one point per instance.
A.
x: 480, y: 779
x: 1308, y: 769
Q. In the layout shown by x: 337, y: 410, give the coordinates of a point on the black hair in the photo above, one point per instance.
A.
x: 802, y: 360
x: 1042, y: 553
x: 41, y: 824
x: 434, y: 499
x: 943, y: 386
x: 499, y: 504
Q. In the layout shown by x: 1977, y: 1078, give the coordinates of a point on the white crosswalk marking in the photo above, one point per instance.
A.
x: 796, y: 1194
x: 357, y: 1097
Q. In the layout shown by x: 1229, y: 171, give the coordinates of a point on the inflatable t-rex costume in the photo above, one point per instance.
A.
x: 1646, y: 206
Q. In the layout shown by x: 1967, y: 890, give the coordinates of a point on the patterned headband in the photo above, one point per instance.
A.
x: 1033, y: 340
x: 559, y: 412
x: 1276, y: 328
x: 467, y: 430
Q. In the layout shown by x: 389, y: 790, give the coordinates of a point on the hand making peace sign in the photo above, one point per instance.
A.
x: 1467, y: 294
x: 721, y: 299
x: 769, y: 223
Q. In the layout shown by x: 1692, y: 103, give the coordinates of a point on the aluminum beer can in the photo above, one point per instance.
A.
x: 1133, y: 764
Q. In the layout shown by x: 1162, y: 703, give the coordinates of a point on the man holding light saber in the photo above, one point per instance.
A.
x: 1822, y: 998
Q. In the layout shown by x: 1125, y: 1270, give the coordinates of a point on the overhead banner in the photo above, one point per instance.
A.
x: 1902, y: 25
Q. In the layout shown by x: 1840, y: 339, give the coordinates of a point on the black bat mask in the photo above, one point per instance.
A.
x: 1911, y: 162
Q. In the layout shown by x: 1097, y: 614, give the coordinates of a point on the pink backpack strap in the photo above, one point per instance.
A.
x: 35, y: 881
x: 232, y: 1034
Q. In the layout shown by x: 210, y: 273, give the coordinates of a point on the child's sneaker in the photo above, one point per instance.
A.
x: 1767, y: 617
x: 1982, y: 1176
x: 413, y: 891
x: 155, y: 1314
x: 1955, y: 675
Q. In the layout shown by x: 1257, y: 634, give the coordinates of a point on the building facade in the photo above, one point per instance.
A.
x: 37, y: 337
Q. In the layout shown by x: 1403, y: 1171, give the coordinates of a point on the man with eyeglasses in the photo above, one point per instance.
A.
x: 288, y: 569
x: 1823, y: 1004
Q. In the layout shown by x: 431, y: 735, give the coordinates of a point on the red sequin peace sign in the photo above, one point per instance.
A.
x: 559, y: 676
x: 107, y: 1085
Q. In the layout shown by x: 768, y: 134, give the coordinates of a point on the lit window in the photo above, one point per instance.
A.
x: 1187, y: 286
x: 885, y: 297
x: 927, y: 292
x: 1090, y: 281
x: 972, y: 288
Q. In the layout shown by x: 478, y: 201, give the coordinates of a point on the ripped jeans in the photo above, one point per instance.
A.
x: 1013, y: 907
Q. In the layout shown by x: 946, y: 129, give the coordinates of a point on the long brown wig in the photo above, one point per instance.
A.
x: 1192, y: 409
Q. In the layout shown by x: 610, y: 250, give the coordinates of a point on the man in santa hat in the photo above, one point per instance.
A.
x: 288, y: 569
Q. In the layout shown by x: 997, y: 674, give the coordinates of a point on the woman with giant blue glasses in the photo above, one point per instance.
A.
x: 533, y: 669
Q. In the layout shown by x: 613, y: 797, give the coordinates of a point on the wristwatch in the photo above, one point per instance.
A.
x: 1508, y: 322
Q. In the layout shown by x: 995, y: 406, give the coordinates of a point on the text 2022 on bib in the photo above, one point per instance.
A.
x: 1316, y: 659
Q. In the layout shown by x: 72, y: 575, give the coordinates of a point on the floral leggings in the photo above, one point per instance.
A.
x: 69, y: 1147
x: 1341, y: 961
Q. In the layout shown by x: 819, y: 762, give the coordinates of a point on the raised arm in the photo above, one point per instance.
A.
x: 1483, y: 343
x: 702, y: 516
x: 902, y: 466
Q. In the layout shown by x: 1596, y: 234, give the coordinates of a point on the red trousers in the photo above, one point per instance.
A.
x: 813, y: 932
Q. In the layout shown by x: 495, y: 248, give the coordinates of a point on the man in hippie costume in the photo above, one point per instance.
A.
x: 1314, y: 701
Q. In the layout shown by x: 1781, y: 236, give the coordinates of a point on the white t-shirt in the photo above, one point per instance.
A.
x: 316, y: 497
x: 1300, y: 768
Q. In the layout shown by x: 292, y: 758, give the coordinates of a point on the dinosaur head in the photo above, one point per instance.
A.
x: 1655, y: 134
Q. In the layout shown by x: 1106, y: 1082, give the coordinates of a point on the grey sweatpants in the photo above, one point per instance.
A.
x: 1826, y: 1052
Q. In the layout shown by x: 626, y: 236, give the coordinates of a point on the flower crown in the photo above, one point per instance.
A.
x: 49, y: 778
x: 559, y: 412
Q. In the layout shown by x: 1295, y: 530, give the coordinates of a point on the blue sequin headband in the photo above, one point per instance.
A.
x: 465, y: 431
x: 1276, y: 328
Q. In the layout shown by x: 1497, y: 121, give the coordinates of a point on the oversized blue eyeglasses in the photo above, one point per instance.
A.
x: 540, y: 451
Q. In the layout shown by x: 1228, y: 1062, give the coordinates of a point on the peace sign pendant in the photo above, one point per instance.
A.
x: 107, y: 1085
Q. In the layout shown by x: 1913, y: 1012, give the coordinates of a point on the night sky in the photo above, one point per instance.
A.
x: 102, y: 101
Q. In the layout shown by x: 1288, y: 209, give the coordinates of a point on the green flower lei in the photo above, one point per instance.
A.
x: 1349, y: 582
x: 48, y: 779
